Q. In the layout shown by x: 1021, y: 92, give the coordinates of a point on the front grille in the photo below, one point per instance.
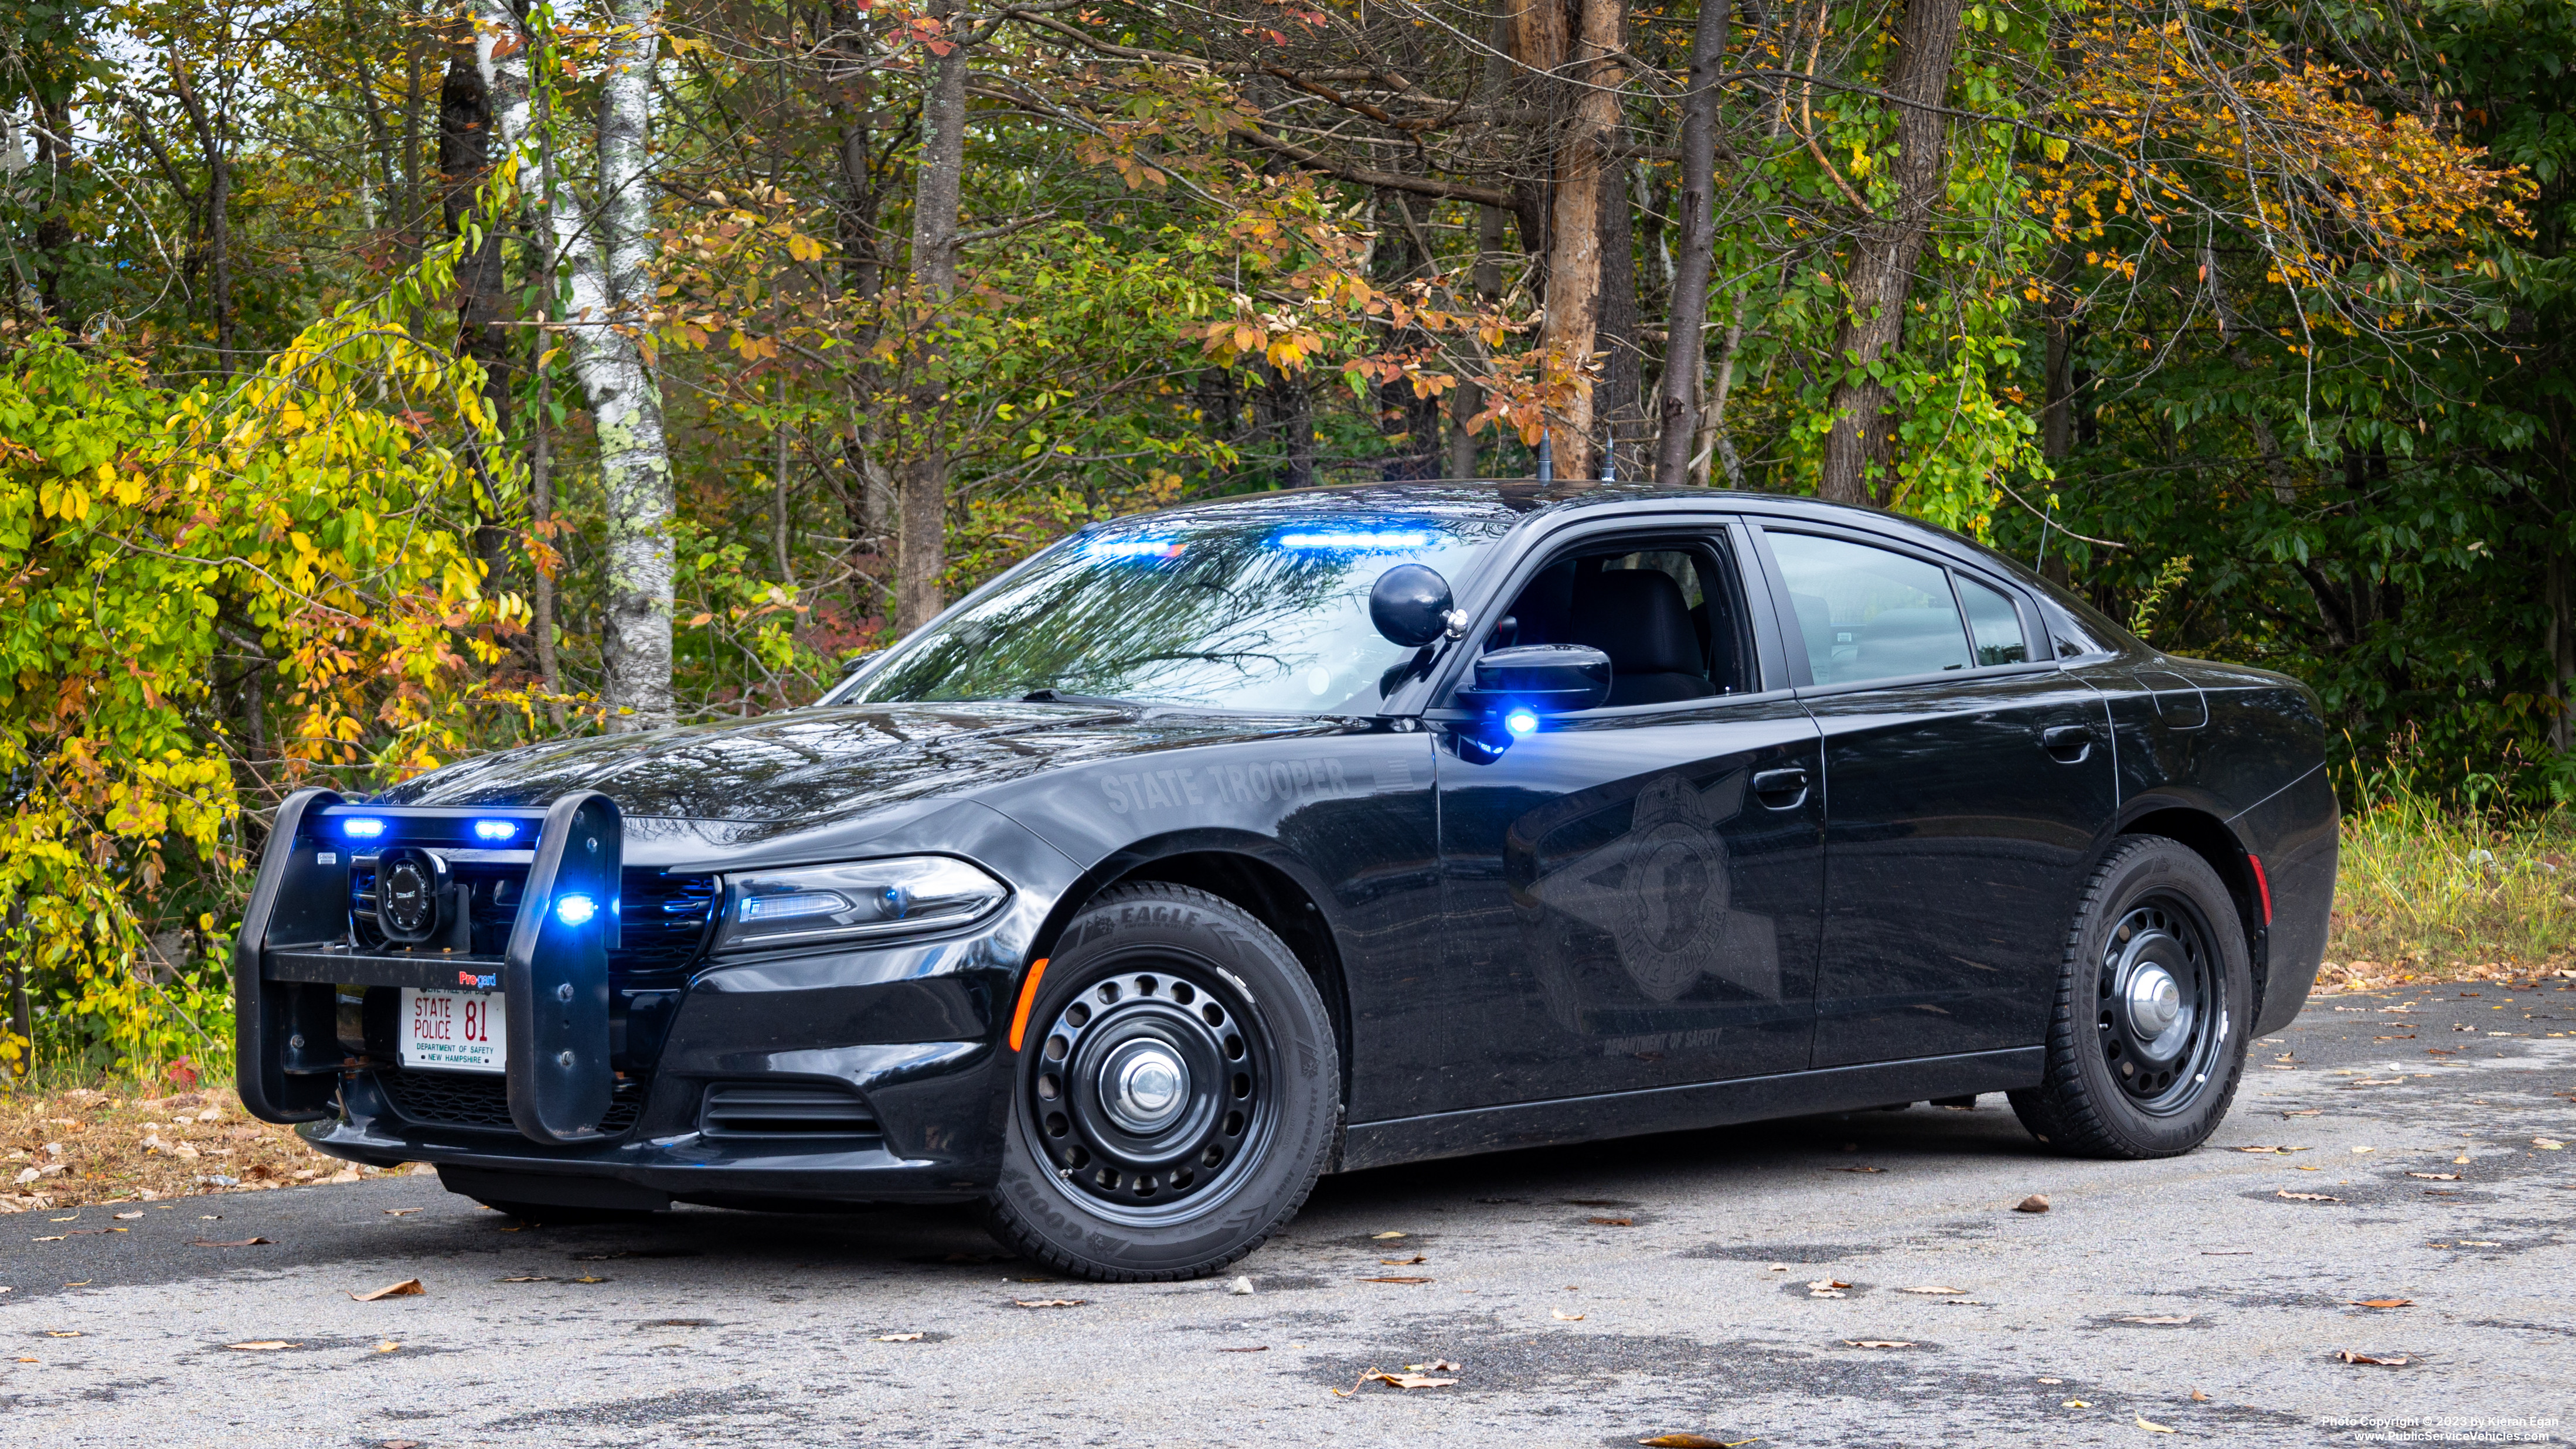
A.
x: 753, y: 1109
x: 477, y: 1099
x: 662, y: 918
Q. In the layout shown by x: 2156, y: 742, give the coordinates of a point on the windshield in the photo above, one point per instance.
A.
x: 1264, y: 611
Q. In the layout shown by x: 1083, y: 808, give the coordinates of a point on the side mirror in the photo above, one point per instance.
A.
x: 1540, y: 678
x: 1410, y: 605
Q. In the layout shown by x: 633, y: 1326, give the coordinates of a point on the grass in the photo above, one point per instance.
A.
x: 2434, y: 892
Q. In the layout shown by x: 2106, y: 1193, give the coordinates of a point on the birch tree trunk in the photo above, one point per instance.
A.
x: 1882, y: 274
x: 608, y: 284
x: 921, y: 501
x: 1684, y: 354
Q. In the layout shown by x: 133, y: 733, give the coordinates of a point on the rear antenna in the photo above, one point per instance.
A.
x: 1546, y: 459
x: 1610, y: 463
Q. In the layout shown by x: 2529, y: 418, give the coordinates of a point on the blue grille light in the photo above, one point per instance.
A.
x: 1372, y: 542
x: 362, y: 827
x: 1521, y: 721
x: 495, y: 830
x: 575, y: 910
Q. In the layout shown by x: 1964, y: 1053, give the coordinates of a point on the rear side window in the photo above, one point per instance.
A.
x: 1866, y: 613
x: 1994, y: 625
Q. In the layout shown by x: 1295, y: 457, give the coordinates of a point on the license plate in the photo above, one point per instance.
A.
x: 452, y: 1031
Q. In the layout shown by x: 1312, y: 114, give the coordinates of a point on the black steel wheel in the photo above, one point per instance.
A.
x: 1176, y: 1091
x: 2147, y: 1042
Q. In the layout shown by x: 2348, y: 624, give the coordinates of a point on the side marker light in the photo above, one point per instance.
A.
x: 2262, y: 884
x: 1028, y: 998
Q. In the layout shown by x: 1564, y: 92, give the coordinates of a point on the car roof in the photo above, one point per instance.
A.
x: 1510, y: 500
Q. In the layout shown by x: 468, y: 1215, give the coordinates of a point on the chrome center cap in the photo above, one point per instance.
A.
x: 1144, y: 1084
x: 2154, y: 1001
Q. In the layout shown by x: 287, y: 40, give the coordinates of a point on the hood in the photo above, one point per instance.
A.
x: 815, y: 766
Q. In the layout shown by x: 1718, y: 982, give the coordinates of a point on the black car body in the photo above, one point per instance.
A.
x: 1804, y: 857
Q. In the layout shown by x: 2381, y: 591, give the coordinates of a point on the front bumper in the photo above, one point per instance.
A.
x: 911, y: 1032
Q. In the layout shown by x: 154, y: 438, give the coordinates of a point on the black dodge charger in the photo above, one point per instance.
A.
x: 1212, y: 850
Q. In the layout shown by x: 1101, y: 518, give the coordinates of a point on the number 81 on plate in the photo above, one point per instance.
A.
x: 453, y: 1031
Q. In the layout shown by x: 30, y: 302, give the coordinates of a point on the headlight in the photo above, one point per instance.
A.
x: 904, y: 896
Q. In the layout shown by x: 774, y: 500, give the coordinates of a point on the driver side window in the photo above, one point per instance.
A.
x: 1665, y: 615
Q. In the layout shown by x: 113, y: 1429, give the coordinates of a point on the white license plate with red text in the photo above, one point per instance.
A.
x: 452, y: 1031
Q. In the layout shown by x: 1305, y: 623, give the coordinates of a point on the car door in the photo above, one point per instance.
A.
x: 1632, y: 892
x: 1967, y: 783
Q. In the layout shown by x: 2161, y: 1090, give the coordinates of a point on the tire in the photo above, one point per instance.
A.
x: 2123, y: 1079
x: 1231, y: 1092
x: 547, y: 1215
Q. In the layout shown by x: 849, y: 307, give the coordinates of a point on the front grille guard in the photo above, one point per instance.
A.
x: 296, y: 945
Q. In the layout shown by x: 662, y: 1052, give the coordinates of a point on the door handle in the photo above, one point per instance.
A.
x: 1780, y: 789
x: 2068, y: 743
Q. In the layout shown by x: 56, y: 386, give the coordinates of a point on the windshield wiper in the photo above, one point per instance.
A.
x: 1058, y: 696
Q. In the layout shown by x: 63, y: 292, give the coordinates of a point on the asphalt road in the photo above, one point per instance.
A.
x: 1589, y: 1296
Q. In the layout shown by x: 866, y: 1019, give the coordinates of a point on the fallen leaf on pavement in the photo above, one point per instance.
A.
x: 2305, y: 1196
x: 2436, y: 1176
x: 590, y: 1278
x: 2390, y: 1361
x: 1383, y: 1236
x: 2052, y: 1381
x: 1404, y: 1262
x: 1777, y: 1268
x: 2150, y: 1425
x: 1050, y: 1302
x: 2031, y: 1204
x: 1613, y: 1222
x: 1880, y: 1342
x: 244, y: 1243
x: 1436, y: 1366
x: 1829, y: 1283
x: 127, y: 1217
x: 1963, y: 1302
x: 404, y: 1289
x: 261, y: 1345
x: 2547, y: 1144
x: 1860, y: 1169
x: 62, y: 1333
x: 2383, y: 1302
x: 1694, y: 1441
x: 1401, y: 1381
x: 400, y: 1212
x: 1259, y: 1348
x: 2271, y: 1149
x: 2306, y: 1112
x: 1935, y: 1292
x: 387, y: 1347
x: 529, y: 1278
x: 2198, y: 1397
x: 2074, y: 1404
x: 1565, y: 1317
x: 916, y: 1338
x: 2158, y: 1318
x: 1395, y: 1279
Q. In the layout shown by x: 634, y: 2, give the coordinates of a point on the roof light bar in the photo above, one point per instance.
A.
x: 1361, y: 539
